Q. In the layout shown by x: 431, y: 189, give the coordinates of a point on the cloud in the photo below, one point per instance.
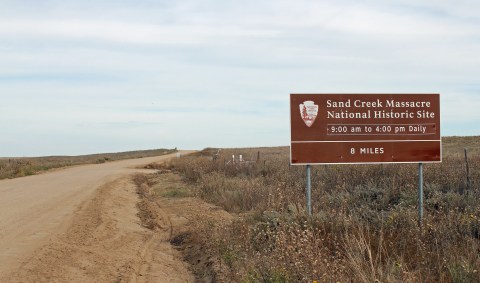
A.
x: 78, y: 74
x: 120, y: 32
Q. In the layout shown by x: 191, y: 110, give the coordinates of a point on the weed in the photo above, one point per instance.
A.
x: 176, y: 193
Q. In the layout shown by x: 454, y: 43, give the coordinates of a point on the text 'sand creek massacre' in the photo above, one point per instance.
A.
x: 365, y: 128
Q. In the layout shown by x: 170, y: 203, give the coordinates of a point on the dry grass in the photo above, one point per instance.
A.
x: 364, y: 226
x: 25, y: 166
x: 455, y: 146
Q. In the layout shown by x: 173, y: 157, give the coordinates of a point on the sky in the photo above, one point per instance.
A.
x: 90, y: 76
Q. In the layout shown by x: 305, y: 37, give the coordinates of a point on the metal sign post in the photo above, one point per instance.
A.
x: 420, y: 194
x: 309, y: 191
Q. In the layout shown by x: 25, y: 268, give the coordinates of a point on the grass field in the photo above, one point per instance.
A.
x: 364, y: 226
x: 19, y: 167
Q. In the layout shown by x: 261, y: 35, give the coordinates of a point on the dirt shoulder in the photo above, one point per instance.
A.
x: 167, y: 207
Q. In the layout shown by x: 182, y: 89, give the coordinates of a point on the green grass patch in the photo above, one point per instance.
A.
x: 178, y: 192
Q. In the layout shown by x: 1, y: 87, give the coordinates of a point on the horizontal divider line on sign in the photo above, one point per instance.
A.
x: 360, y: 124
x: 369, y: 141
x: 370, y: 134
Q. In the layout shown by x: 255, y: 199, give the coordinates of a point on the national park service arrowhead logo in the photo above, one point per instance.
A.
x: 308, y: 111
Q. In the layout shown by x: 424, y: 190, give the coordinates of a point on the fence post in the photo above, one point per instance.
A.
x: 420, y: 194
x: 468, y: 172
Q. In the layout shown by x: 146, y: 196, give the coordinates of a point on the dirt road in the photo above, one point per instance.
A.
x: 78, y: 224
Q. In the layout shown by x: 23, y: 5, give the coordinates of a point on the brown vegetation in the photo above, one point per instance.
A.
x: 364, y: 225
x: 19, y: 167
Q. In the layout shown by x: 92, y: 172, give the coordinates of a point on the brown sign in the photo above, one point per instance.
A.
x: 365, y: 128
